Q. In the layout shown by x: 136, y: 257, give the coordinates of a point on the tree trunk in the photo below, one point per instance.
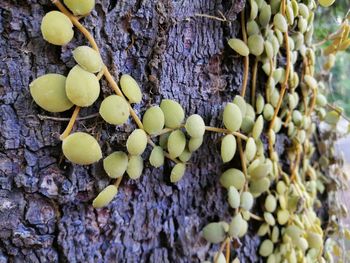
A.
x: 45, y: 202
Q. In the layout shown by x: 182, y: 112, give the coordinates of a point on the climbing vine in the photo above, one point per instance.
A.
x: 277, y: 38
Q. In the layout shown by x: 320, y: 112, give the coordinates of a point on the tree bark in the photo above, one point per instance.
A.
x: 45, y: 202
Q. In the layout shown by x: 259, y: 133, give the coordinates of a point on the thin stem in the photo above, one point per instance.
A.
x: 221, y: 130
x: 212, y: 17
x: 296, y: 165
x: 118, y: 181
x: 255, y: 69
x: 242, y: 157
x: 221, y: 249
x: 246, y: 58
x: 165, y: 130
x: 285, y: 83
x: 313, y: 102
x: 71, y: 123
x: 228, y: 250
x: 44, y: 117
x: 258, y: 218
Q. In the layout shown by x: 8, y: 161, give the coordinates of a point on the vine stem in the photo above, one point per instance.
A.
x: 255, y: 69
x: 92, y: 41
x: 222, y: 130
x: 228, y: 251
x: 222, y: 247
x: 223, y: 19
x: 118, y: 181
x: 246, y: 58
x: 256, y: 217
x: 70, y: 123
x: 241, y: 154
x: 285, y: 83
x: 44, y: 117
x: 313, y: 102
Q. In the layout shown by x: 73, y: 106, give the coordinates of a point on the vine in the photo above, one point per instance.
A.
x: 274, y: 32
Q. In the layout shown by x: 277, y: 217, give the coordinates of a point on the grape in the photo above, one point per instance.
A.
x: 176, y: 143
x: 280, y: 22
x: 105, y: 197
x: 235, y: 226
x: 239, y: 46
x: 114, y: 110
x: 130, y: 88
x: 137, y: 142
x: 258, y: 127
x: 250, y: 149
x: 88, y: 58
x: 195, y: 143
x: 232, y: 117
x: 173, y: 113
x: 241, y: 103
x: 233, y: 197
x: 266, y: 248
x: 49, y: 92
x: 56, y: 28
x: 115, y: 164
x: 177, y: 172
x: 135, y: 167
x: 214, y: 233
x: 247, y: 201
x: 265, y: 15
x: 157, y: 157
x: 153, y: 120
x: 270, y: 203
x: 195, y: 126
x: 81, y: 148
x: 256, y: 44
x: 82, y: 87
x: 233, y: 177
x: 228, y: 148
x: 80, y: 7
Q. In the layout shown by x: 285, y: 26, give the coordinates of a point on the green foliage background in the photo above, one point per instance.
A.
x: 327, y: 21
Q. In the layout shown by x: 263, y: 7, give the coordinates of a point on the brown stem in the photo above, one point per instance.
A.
x: 313, y: 102
x: 296, y: 164
x: 258, y: 218
x: 221, y: 130
x: 246, y: 58
x: 285, y: 83
x: 228, y: 250
x: 118, y: 181
x: 44, y: 117
x: 255, y: 69
x: 212, y: 17
x: 165, y: 130
x: 71, y: 123
x: 221, y: 249
x: 242, y: 157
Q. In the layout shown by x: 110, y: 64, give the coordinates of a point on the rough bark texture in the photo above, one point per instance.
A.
x: 45, y: 201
